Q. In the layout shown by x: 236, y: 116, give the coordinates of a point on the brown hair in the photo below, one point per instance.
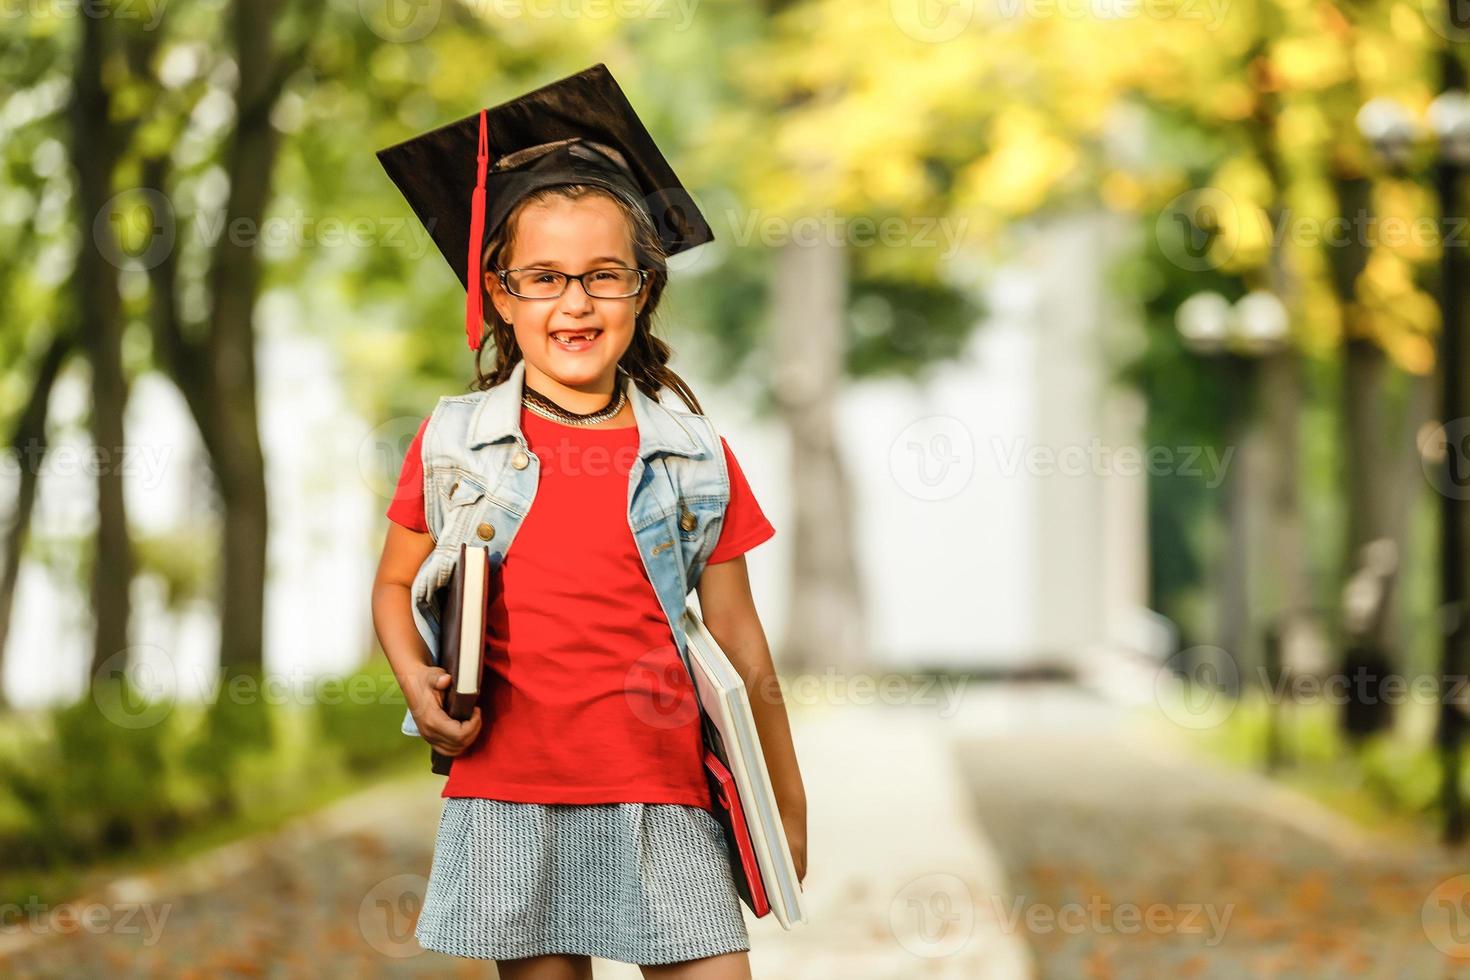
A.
x: 647, y: 357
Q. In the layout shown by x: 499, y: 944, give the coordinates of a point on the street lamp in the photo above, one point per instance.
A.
x: 1203, y: 321
x: 1449, y: 117
x: 1391, y: 129
x: 1261, y: 322
x: 1256, y: 324
x: 1384, y: 124
x: 1240, y: 334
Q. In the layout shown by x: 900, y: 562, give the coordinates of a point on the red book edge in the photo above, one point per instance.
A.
x: 729, y: 798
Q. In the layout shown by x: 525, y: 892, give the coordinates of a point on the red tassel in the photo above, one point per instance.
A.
x: 474, y: 315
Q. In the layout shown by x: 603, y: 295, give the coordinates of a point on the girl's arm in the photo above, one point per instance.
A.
x: 423, y: 682
x: 728, y: 611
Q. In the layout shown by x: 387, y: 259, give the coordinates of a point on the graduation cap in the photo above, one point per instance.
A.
x: 463, y: 179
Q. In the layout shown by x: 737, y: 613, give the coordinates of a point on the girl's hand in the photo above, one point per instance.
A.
x: 425, y: 693
x: 795, y: 825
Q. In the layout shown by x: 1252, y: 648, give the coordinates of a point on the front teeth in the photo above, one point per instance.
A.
x: 571, y: 338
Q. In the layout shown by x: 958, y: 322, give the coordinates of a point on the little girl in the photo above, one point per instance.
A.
x: 577, y: 820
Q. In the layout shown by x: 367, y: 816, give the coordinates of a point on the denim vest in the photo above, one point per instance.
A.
x: 480, y: 479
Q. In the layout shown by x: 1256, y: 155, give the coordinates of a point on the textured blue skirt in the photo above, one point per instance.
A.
x: 643, y: 883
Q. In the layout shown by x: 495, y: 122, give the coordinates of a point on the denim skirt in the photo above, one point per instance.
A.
x: 643, y: 883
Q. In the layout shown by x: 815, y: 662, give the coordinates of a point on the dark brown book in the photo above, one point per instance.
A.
x: 464, y: 604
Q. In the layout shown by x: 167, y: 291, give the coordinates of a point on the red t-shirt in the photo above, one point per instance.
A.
x: 585, y: 699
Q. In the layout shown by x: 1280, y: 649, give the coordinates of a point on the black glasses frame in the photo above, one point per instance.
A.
x: 503, y: 276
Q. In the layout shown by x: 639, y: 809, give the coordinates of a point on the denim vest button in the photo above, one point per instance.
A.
x: 520, y: 460
x: 688, y: 522
x: 485, y: 531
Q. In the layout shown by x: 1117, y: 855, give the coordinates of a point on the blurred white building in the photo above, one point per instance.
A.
x: 999, y: 526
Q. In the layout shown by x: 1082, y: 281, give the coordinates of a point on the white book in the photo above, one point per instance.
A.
x: 723, y: 697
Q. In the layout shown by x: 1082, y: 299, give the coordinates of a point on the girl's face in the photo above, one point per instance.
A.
x: 571, y: 237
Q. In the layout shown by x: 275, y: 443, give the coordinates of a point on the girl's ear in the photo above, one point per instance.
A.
x: 497, y: 295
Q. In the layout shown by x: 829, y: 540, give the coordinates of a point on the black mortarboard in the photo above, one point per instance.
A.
x: 463, y: 179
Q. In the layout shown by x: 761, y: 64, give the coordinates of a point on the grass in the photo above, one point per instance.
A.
x: 52, y: 812
x: 53, y: 885
x: 1389, y: 784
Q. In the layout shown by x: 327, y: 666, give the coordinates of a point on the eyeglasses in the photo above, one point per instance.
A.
x: 613, y: 282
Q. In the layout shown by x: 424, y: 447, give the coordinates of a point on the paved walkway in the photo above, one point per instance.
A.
x: 891, y: 846
x: 1103, y: 854
x: 335, y: 891
x: 1127, y: 859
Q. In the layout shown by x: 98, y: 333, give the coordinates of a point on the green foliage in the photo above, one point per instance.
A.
x: 89, y: 786
x: 725, y: 298
x: 901, y: 326
x: 79, y: 789
x: 363, y: 723
x: 1193, y: 403
x: 1390, y: 782
x: 235, y: 726
x: 1401, y: 774
x: 184, y: 558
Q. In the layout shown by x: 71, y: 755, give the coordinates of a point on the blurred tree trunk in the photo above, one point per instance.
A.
x: 1364, y: 370
x: 96, y: 144
x: 1453, y: 370
x: 1407, y: 475
x: 27, y: 444
x: 1289, y: 590
x: 217, y: 373
x: 234, y: 281
x: 824, y: 624
x: 1236, y: 622
x: 1271, y: 447
x: 1368, y: 478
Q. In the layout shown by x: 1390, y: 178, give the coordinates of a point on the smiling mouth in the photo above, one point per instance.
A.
x: 575, y: 338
